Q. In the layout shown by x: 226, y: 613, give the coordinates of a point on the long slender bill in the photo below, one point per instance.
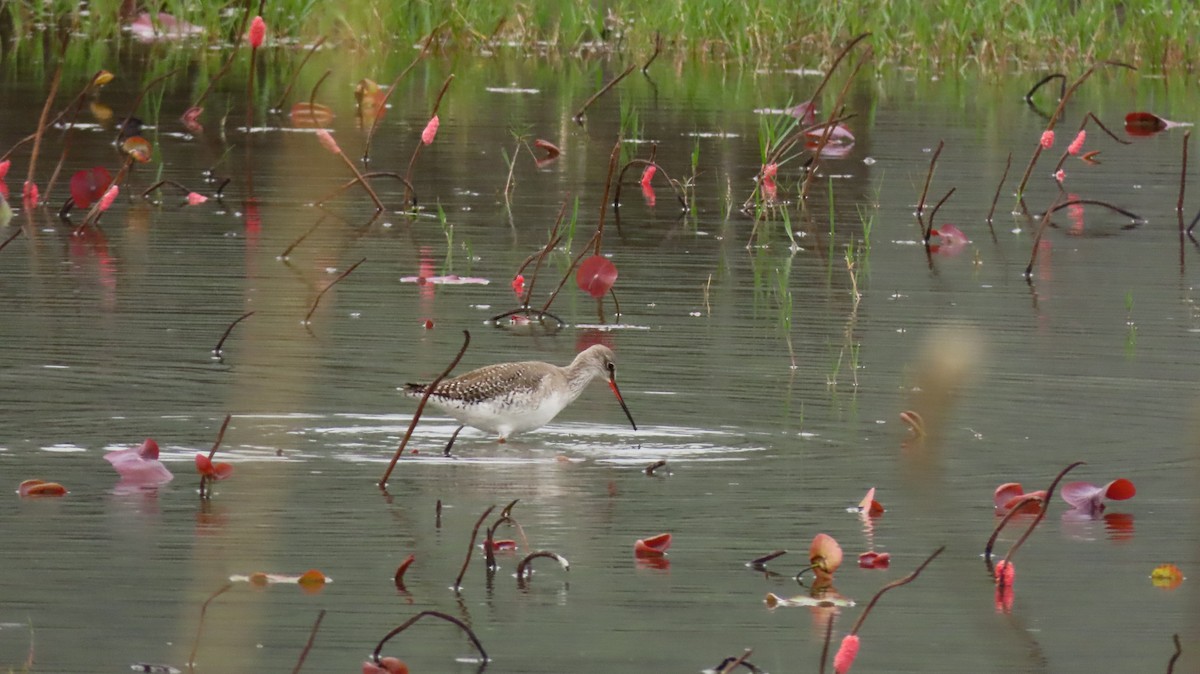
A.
x: 612, y: 384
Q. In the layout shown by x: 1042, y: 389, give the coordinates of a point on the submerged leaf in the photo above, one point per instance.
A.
x: 311, y: 115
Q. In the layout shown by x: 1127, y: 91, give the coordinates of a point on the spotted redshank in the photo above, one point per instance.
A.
x: 508, y: 398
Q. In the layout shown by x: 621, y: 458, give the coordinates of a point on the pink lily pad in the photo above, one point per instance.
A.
x: 139, y: 466
x: 1087, y: 497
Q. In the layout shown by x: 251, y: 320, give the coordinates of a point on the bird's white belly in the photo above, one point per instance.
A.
x: 514, y: 414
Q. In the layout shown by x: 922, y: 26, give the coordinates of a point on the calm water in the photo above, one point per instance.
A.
x: 107, y: 340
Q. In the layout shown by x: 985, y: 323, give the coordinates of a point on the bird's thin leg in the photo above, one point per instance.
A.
x: 446, y: 451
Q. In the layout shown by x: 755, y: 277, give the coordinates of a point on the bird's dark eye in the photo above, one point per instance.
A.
x: 610, y: 366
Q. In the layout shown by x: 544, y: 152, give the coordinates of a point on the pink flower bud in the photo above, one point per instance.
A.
x: 195, y: 198
x: 770, y: 170
x: 1047, y: 139
x: 110, y: 195
x: 258, y: 31
x: 846, y: 654
x: 648, y: 175
x: 1077, y: 144
x: 1059, y: 175
x: 4, y: 168
x: 1005, y: 573
x: 328, y: 142
x: 430, y: 131
x: 29, y: 193
x: 518, y: 284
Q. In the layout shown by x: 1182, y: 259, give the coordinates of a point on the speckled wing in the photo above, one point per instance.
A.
x: 503, y: 380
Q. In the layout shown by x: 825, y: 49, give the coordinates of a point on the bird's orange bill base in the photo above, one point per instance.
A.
x: 612, y: 383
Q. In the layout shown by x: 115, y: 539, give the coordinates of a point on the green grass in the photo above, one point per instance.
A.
x: 936, y: 34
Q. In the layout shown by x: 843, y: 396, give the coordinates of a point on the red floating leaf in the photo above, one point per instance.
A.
x: 869, y: 506
x: 191, y: 120
x: 41, y: 488
x: 312, y: 577
x: 88, y: 185
x: 195, y: 198
x: 655, y: 546
x: 825, y: 555
x: 1008, y: 495
x: 552, y: 152
x: 213, y: 471
x: 4, y: 165
x: 1144, y: 124
x: 596, y: 276
x: 518, y: 285
x: 875, y: 560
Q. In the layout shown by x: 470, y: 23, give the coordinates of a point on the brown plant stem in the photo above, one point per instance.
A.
x: 317, y: 299
x: 237, y: 43
x: 420, y: 407
x: 578, y: 117
x: 1187, y: 135
x: 933, y: 215
x: 366, y: 158
x: 296, y: 73
x: 74, y: 108
x: 224, y: 336
x: 825, y: 643
x: 925, y: 190
x: 1096, y: 202
x: 200, y: 627
x: 312, y: 636
x: 1028, y: 499
x: 367, y: 186
x: 1037, y: 238
x: 471, y: 547
x: 649, y: 470
x: 1062, y: 88
x: 1040, y: 516
x: 10, y: 238
x: 1000, y: 186
x: 658, y: 45
x: 412, y: 162
x: 434, y: 614
x: 1174, y: 656
x: 891, y: 586
x: 523, y: 570
x: 642, y: 162
x: 735, y: 662
x: 41, y: 127
x: 137, y: 102
x: 212, y: 452
x: 759, y: 562
x: 1062, y: 102
x: 840, y: 109
x: 288, y: 251
x: 172, y: 183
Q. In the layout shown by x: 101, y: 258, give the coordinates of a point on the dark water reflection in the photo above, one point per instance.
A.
x: 107, y: 339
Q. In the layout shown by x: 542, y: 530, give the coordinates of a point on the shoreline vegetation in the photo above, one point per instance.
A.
x: 994, y: 36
